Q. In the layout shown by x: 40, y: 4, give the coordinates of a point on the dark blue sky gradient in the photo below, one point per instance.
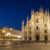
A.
x: 12, y: 12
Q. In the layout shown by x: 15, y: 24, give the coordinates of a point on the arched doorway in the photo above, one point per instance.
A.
x: 37, y: 37
x: 25, y: 38
x: 30, y: 38
x: 46, y: 38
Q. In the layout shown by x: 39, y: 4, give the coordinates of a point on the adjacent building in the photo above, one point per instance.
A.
x: 10, y: 34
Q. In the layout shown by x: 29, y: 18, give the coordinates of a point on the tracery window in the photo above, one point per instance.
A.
x: 37, y: 28
x: 45, y: 31
x: 29, y: 38
x: 46, y: 38
x: 30, y: 32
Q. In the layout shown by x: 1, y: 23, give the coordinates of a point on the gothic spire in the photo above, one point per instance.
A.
x: 32, y: 12
x: 27, y: 17
x: 48, y: 12
x: 23, y: 31
x: 22, y: 23
x: 41, y: 9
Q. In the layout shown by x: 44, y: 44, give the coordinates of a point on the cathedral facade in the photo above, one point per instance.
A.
x: 38, y: 27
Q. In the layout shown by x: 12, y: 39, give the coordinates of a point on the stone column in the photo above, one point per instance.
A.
x: 23, y: 31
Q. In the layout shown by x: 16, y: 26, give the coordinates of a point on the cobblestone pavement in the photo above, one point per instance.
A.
x: 27, y: 46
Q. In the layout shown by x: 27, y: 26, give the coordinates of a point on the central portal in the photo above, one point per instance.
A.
x: 37, y: 37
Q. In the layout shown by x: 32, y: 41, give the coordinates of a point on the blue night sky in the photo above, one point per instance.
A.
x: 12, y: 12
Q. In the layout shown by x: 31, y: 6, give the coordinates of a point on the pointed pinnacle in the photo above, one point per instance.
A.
x: 27, y: 17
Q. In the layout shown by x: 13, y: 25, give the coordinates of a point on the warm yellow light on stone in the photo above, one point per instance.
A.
x: 36, y: 26
x: 19, y: 36
x: 10, y: 28
x: 8, y: 34
x: 3, y: 31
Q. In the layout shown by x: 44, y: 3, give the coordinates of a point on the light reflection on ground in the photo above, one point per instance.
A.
x: 27, y: 46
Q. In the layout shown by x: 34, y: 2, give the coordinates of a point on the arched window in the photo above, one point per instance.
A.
x: 25, y: 35
x: 45, y: 31
x: 29, y: 38
x: 37, y: 28
x: 46, y: 38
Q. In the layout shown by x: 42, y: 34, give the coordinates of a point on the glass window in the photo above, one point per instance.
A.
x: 45, y: 31
x: 46, y: 38
x: 37, y: 27
x: 37, y: 37
x: 30, y: 38
x: 30, y: 32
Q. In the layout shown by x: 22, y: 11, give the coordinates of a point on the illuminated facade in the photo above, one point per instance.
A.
x: 38, y: 27
x: 10, y: 34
